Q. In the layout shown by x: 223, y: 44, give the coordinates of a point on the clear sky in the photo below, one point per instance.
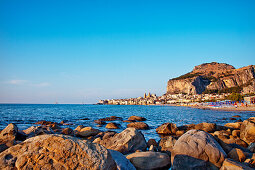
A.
x: 83, y: 51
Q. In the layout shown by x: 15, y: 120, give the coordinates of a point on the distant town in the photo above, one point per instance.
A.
x: 180, y: 99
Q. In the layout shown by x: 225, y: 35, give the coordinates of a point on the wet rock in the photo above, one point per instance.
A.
x: 207, y: 127
x: 136, y: 118
x: 237, y: 155
x: 128, y: 141
x: 236, y: 116
x: 112, y: 126
x: 251, y: 147
x: 56, y: 152
x: 128, y: 121
x: 84, y: 119
x: 38, y: 130
x: 108, y: 134
x: 247, y: 131
x: 236, y: 125
x: 153, y: 148
x: 230, y: 164
x: 167, y: 143
x: 232, y: 118
x: 86, y: 132
x: 68, y: 131
x: 122, y: 162
x: 199, y: 145
x: 78, y: 128
x: 149, y: 160
x: 138, y: 125
x: 152, y: 142
x: 112, y: 118
x: 100, y: 122
x: 167, y: 129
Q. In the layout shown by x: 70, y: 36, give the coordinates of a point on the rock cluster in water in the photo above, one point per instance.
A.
x: 194, y: 146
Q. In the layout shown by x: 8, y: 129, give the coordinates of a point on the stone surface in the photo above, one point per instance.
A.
x: 122, y: 162
x: 112, y: 126
x: 251, y: 147
x: 9, y: 133
x: 8, y: 136
x: 136, y: 118
x: 167, y: 143
x: 236, y: 125
x: 152, y: 142
x: 247, y: 131
x: 56, y: 152
x: 86, y: 132
x: 236, y: 133
x: 229, y: 164
x: 138, y: 125
x: 67, y: 131
x: 207, y: 127
x: 167, y: 129
x: 199, y: 145
x: 237, y: 155
x: 149, y: 160
x: 38, y: 130
x: 128, y: 141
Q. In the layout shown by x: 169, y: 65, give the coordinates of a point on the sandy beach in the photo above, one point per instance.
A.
x: 249, y: 108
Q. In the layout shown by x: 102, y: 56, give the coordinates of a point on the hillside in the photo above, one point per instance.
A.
x: 213, y: 78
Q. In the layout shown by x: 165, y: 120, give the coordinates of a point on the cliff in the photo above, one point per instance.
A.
x: 214, y: 77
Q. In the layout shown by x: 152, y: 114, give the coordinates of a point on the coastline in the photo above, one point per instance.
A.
x: 224, y: 108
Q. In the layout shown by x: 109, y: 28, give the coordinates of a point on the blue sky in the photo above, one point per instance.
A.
x: 83, y: 51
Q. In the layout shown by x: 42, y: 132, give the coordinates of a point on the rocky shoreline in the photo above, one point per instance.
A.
x: 195, y: 146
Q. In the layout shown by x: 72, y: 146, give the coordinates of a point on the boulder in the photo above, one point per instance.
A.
x: 9, y: 133
x: 229, y: 164
x: 207, y: 127
x: 199, y: 145
x: 67, y: 131
x: 38, y: 130
x: 136, y: 118
x: 167, y: 143
x: 128, y: 141
x: 236, y: 125
x: 122, y: 162
x: 112, y: 118
x: 152, y: 142
x: 100, y: 122
x: 251, y: 147
x: 112, y: 126
x: 8, y: 136
x: 150, y: 160
x: 56, y: 152
x: 247, y: 130
x: 237, y: 155
x: 138, y: 125
x: 167, y: 129
x: 86, y: 132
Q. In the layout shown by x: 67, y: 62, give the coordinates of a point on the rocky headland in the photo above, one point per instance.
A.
x: 214, y: 77
x: 49, y: 145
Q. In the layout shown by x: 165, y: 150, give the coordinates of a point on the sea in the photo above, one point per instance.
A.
x: 26, y: 115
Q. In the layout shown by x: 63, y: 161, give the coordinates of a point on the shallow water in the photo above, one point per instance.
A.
x: 25, y: 115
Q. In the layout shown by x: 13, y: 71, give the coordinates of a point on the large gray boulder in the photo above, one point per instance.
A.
x: 56, y: 152
x: 122, y: 162
x: 247, y: 131
x: 128, y: 141
x: 198, y: 147
x: 150, y: 160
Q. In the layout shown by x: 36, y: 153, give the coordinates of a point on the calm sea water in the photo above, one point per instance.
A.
x: 25, y: 115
